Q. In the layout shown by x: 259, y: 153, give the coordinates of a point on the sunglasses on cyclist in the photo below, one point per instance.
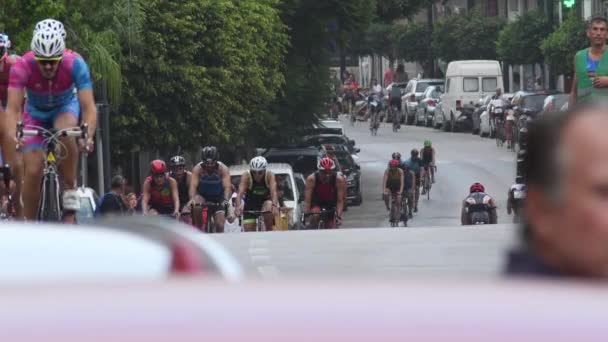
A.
x: 259, y: 173
x: 158, y: 175
x: 48, y: 60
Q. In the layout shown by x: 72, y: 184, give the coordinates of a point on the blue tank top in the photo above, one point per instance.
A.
x: 210, y: 185
x: 591, y: 64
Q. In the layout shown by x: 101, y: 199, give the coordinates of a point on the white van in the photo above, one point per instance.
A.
x: 466, y: 82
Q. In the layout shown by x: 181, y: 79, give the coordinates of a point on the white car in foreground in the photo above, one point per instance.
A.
x: 115, y: 249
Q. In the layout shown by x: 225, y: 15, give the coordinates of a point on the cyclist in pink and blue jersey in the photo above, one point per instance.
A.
x: 50, y: 74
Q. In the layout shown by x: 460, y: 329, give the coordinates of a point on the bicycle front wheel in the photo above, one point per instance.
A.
x: 49, y: 209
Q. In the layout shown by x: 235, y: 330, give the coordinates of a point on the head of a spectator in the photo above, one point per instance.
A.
x: 567, y: 195
x: 131, y: 200
x: 119, y: 184
x: 498, y: 91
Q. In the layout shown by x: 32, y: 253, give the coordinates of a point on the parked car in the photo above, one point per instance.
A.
x: 301, y: 159
x: 428, y: 102
x: 528, y: 103
x: 352, y: 173
x: 323, y: 139
x: 467, y: 81
x: 286, y: 180
x: 401, y: 85
x: 413, y: 93
x: 555, y: 102
x: 328, y: 127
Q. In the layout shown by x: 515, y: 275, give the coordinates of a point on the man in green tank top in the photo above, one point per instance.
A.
x: 590, y: 82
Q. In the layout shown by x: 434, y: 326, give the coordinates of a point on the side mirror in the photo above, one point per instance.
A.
x: 357, y: 150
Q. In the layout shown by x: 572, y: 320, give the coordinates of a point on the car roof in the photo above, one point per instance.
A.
x: 274, y: 167
x: 308, y: 150
x: 426, y: 80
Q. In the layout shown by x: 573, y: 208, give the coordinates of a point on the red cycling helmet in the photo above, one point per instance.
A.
x: 326, y: 164
x: 158, y: 167
x: 393, y: 163
x: 477, y: 187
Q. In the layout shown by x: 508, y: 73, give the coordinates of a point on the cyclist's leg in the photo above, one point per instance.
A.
x: 10, y: 157
x: 219, y: 215
x: 313, y: 220
x: 153, y: 212
x: 268, y: 218
x: 33, y: 163
x: 68, y: 117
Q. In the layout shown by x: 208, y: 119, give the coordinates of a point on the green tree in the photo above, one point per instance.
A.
x: 390, y: 10
x: 519, y: 41
x: 561, y: 45
x: 377, y: 39
x: 470, y: 36
x: 413, y: 43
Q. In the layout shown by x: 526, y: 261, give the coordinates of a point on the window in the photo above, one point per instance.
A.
x: 409, y: 87
x: 489, y: 84
x: 492, y: 8
x: 447, y: 85
x: 470, y: 84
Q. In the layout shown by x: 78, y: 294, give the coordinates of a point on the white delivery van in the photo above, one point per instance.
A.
x: 466, y: 82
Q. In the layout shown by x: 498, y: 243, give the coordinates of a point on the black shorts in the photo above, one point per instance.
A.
x: 213, y: 209
x: 394, y: 101
x: 162, y: 210
x: 252, y: 206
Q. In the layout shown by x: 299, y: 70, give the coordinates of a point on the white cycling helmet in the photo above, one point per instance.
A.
x: 47, y: 44
x: 51, y: 25
x: 258, y: 164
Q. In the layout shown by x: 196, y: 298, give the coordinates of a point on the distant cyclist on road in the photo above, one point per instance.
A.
x: 516, y: 197
x: 392, y: 185
x: 160, y: 195
x: 428, y: 159
x: 260, y: 189
x: 478, y: 207
x: 415, y: 165
x: 325, y: 189
x: 177, y: 164
x: 210, y: 183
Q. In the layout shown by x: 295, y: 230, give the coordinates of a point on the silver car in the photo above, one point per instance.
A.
x: 413, y: 94
x: 426, y: 107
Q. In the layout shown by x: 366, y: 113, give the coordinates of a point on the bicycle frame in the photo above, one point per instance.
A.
x: 322, y: 217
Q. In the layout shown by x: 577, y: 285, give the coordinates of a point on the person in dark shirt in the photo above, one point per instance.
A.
x: 113, y: 202
x: 565, y: 228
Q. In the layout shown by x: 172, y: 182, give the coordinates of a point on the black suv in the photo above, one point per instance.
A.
x: 352, y: 173
x: 302, y: 159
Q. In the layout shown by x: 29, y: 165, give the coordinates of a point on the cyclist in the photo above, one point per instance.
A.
x: 325, y: 189
x: 478, y: 207
x: 516, y: 197
x: 210, y: 183
x: 497, y: 108
x: 394, y: 100
x: 392, y: 185
x: 177, y: 165
x: 160, y: 195
x: 59, y: 88
x: 415, y: 165
x: 260, y: 187
x: 428, y: 160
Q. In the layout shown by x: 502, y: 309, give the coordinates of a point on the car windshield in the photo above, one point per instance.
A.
x: 534, y: 102
x: 421, y: 86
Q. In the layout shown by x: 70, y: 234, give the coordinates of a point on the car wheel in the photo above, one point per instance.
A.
x: 446, y: 125
x: 452, y: 123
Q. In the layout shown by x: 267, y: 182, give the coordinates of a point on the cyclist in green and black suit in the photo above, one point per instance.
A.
x: 260, y: 187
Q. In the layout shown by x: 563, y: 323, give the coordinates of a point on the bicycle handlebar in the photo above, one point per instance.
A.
x: 52, y: 133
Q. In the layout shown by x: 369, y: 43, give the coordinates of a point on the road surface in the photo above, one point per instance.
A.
x: 433, y: 244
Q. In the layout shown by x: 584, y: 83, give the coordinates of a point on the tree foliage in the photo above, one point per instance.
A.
x: 413, y: 42
x: 519, y: 41
x: 469, y: 36
x: 561, y: 45
x: 390, y: 10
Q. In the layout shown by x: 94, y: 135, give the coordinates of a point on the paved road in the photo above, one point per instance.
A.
x: 434, y: 244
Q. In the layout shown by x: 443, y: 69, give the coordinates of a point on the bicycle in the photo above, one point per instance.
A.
x: 260, y: 226
x: 49, y: 208
x: 323, y: 223
x: 426, y: 183
x: 7, y: 208
x: 374, y: 124
x: 395, y: 212
x: 499, y: 132
x: 203, y: 222
x: 396, y: 117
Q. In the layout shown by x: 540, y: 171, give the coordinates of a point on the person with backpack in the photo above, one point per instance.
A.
x: 112, y: 202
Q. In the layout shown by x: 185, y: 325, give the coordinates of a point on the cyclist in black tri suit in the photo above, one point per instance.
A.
x: 177, y: 165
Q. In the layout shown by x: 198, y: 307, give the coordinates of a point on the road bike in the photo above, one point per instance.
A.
x: 50, y: 205
x: 327, y: 219
x: 395, y: 212
x: 201, y: 219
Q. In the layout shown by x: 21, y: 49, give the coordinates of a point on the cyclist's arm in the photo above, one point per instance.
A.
x: 13, y: 110
x: 493, y: 212
x: 463, y: 213
x: 310, y: 186
x: 433, y: 156
x: 194, y: 179
x: 175, y: 194
x: 341, y: 185
x: 384, y: 189
x: 226, y: 182
x: 89, y: 110
x: 573, y: 90
x: 273, y: 189
x: 146, y: 198
x: 243, y: 185
x: 401, y: 176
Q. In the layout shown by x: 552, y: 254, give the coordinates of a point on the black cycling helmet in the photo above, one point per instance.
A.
x: 414, y: 153
x: 519, y: 180
x: 396, y: 155
x: 210, y: 154
x: 177, y: 161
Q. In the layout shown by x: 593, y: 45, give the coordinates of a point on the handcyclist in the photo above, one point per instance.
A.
x: 210, y: 184
x: 325, y: 190
x: 260, y: 189
x: 160, y: 195
x: 50, y: 74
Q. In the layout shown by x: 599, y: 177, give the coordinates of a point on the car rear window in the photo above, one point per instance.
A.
x: 489, y: 84
x: 534, y: 102
x: 421, y: 86
x: 470, y: 84
x: 299, y: 163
